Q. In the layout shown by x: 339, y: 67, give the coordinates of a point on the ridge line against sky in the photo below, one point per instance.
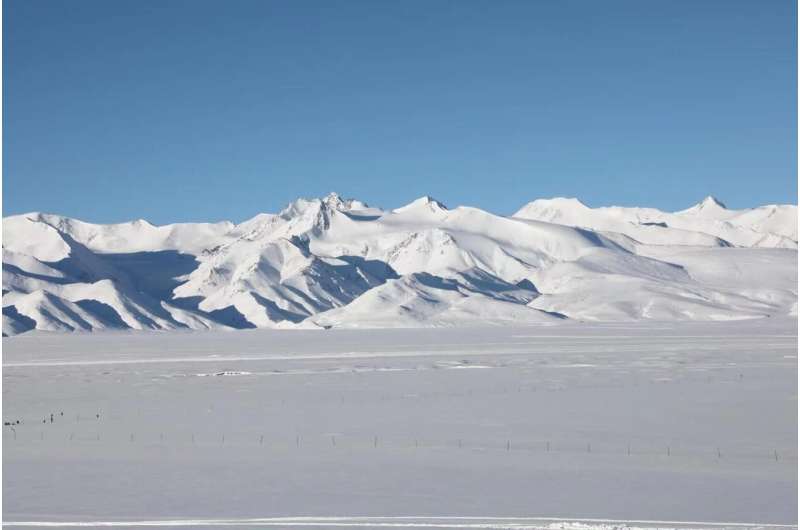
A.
x: 179, y: 111
x: 385, y: 208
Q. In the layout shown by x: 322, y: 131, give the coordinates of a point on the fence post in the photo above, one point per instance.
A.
x: 375, y: 442
x: 508, y: 445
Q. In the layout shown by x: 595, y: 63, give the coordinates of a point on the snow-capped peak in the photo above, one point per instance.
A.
x: 556, y: 210
x: 708, y: 205
x: 560, y: 201
x: 335, y: 201
x: 423, y: 203
x: 332, y: 201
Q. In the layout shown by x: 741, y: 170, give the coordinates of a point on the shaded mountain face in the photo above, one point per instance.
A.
x: 335, y: 262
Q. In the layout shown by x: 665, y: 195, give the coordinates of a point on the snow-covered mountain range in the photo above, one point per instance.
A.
x: 333, y: 262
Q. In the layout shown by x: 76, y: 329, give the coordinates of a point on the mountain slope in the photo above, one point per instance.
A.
x: 708, y: 223
x: 333, y: 262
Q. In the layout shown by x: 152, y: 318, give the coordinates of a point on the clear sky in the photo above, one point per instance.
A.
x: 198, y: 110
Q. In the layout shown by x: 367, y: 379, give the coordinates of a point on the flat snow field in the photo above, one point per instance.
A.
x: 648, y: 425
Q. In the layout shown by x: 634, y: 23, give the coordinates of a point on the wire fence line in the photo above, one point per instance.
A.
x: 84, y: 428
x: 205, y: 439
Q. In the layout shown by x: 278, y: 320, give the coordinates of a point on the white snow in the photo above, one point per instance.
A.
x: 708, y: 223
x: 338, y: 262
x: 578, y: 426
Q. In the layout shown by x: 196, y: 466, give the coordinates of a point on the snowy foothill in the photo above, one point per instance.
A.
x: 339, y: 263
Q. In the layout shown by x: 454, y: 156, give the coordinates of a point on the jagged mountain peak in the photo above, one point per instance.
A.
x: 331, y: 202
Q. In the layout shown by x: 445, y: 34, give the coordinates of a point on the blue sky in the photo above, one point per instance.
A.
x: 195, y: 110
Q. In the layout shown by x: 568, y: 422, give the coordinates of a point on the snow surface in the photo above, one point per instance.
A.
x: 577, y: 426
x: 708, y: 223
x: 335, y: 262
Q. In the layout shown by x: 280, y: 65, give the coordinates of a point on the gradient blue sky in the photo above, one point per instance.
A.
x: 197, y: 110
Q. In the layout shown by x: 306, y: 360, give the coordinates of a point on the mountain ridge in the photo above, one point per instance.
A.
x: 337, y: 262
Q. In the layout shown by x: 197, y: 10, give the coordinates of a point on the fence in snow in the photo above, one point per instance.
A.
x: 16, y: 436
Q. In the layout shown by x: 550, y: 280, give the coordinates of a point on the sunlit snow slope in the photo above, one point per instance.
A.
x: 333, y: 262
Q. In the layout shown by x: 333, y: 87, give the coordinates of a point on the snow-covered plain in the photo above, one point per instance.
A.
x: 577, y: 426
x: 339, y: 263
